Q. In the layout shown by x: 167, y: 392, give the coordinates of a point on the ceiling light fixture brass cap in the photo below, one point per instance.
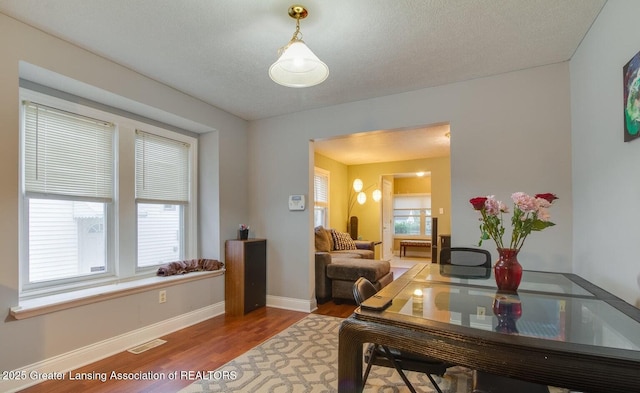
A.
x: 298, y: 12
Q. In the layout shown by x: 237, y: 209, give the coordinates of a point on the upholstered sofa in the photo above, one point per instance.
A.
x: 340, y: 261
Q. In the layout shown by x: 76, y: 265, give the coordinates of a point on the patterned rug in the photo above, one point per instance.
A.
x: 304, y: 358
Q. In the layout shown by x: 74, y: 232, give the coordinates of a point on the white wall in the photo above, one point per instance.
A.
x: 508, y: 133
x: 605, y: 169
x: 223, y: 181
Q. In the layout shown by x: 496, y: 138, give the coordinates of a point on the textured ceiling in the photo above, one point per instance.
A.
x: 220, y: 51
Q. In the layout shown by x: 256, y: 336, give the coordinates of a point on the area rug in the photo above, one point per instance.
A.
x: 304, y: 358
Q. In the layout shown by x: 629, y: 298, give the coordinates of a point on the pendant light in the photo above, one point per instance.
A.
x: 297, y: 66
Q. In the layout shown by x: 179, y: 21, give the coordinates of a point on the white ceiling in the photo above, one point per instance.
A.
x: 387, y: 145
x: 220, y: 51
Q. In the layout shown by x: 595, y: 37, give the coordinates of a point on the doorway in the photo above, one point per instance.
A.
x: 368, y: 156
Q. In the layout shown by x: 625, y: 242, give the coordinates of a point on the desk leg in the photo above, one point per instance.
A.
x: 350, y: 357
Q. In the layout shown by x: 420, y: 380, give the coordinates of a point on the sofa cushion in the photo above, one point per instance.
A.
x: 351, y: 269
x: 344, y: 254
x: 323, y: 239
x: 342, y: 241
x: 352, y: 254
x: 343, y: 289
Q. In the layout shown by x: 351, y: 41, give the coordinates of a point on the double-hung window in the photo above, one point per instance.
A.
x: 162, y: 191
x: 321, y: 197
x: 105, y: 196
x: 68, y: 194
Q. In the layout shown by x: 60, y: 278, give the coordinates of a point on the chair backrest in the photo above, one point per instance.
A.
x: 465, y: 256
x: 363, y: 289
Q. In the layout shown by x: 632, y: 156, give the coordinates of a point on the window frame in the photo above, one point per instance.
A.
x: 320, y: 172
x: 120, y: 217
x: 422, y: 216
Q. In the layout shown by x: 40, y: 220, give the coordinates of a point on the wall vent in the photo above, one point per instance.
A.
x: 146, y: 346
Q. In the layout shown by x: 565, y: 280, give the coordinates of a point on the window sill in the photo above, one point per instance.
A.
x: 62, y: 301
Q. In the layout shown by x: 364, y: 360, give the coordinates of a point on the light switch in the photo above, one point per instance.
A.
x: 441, y: 210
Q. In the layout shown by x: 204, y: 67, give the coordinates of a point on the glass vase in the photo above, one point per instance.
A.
x: 508, y: 309
x: 508, y: 271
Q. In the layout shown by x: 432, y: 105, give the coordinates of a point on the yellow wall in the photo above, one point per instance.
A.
x: 412, y: 185
x: 337, y: 191
x: 369, y: 214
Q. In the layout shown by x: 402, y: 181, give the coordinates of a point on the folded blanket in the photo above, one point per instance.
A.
x: 191, y: 265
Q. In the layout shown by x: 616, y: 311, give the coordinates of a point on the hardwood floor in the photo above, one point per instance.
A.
x: 201, y: 347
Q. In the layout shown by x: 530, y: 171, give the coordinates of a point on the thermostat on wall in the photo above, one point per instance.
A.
x: 296, y: 202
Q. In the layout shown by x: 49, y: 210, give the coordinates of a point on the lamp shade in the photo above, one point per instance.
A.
x: 298, y: 67
x: 357, y: 185
x: 362, y: 198
x: 377, y: 195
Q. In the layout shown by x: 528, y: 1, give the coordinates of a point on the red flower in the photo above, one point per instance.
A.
x: 549, y: 197
x: 478, y: 202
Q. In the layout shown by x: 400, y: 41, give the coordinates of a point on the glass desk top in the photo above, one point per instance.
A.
x: 557, y: 317
x: 548, y: 306
x: 483, y: 277
x: 558, y: 329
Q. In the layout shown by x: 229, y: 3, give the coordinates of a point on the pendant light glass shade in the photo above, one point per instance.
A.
x: 298, y: 67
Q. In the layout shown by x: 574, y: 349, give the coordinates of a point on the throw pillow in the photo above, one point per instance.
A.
x: 322, y: 239
x: 342, y: 241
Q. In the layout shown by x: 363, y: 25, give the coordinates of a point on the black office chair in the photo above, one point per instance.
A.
x: 382, y: 355
x: 465, y: 256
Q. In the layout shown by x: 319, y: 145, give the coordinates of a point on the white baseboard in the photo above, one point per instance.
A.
x: 288, y: 303
x: 100, y: 350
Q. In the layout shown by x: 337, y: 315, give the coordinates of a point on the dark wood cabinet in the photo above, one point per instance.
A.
x: 245, y: 276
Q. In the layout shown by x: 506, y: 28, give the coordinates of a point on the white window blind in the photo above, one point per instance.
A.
x: 412, y: 202
x: 321, y: 188
x: 321, y: 197
x: 67, y: 154
x: 162, y: 169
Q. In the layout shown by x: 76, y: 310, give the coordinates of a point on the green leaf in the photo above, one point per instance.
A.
x: 539, y: 225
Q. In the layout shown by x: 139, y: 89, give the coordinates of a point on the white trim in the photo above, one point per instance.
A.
x: 68, y: 299
x: 100, y: 350
x: 122, y: 261
x: 287, y: 303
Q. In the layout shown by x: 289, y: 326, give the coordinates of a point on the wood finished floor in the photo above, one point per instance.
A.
x: 202, y: 347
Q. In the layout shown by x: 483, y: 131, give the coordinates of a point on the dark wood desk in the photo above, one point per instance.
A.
x: 567, y: 333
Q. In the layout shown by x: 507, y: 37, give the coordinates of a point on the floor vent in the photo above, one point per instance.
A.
x: 146, y: 346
